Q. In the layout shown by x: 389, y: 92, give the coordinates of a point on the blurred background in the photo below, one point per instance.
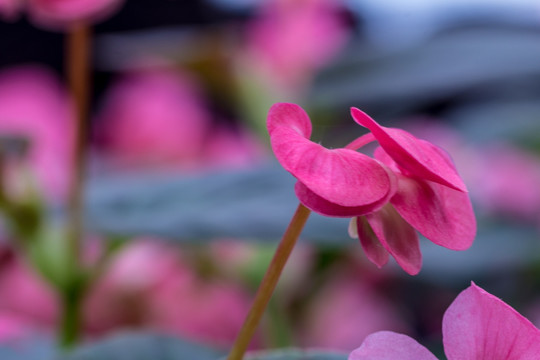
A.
x: 184, y: 191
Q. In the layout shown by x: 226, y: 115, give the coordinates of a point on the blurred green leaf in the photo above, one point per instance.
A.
x: 296, y: 354
x: 143, y: 347
x: 257, y: 204
x: 248, y: 204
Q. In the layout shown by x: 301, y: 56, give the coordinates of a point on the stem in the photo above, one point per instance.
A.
x: 77, y: 63
x: 269, y: 282
x: 71, y: 319
x: 78, y: 53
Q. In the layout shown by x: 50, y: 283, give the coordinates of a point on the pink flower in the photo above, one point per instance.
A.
x: 59, y: 13
x: 430, y: 197
x: 412, y: 185
x: 333, y: 182
x: 154, y: 118
x: 352, y: 309
x: 292, y: 39
x: 21, y: 289
x: 33, y: 106
x: 148, y: 285
x: 476, y: 326
x: 158, y: 119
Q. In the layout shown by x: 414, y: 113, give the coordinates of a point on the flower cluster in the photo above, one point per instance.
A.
x: 409, y: 184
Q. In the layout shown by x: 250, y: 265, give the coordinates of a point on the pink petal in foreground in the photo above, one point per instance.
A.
x: 341, y: 176
x: 387, y: 345
x: 480, y: 326
x: 397, y: 236
x: 420, y: 158
x: 443, y: 215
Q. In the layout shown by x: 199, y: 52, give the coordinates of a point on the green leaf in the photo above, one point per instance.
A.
x: 138, y: 346
x: 296, y: 354
x: 248, y: 204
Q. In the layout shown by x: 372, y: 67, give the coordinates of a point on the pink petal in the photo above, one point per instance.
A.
x: 388, y: 345
x: 375, y: 251
x: 397, y: 236
x: 418, y: 157
x: 290, y: 116
x: 324, y: 207
x: 340, y: 176
x: 443, y: 215
x: 480, y: 326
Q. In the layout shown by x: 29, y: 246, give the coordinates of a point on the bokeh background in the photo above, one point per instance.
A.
x: 184, y: 190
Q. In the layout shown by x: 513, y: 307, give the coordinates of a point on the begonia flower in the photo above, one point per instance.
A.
x: 430, y: 197
x: 476, y: 326
x: 333, y: 182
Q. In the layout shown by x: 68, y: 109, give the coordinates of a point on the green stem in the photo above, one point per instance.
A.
x: 77, y: 69
x: 269, y: 282
x: 71, y: 317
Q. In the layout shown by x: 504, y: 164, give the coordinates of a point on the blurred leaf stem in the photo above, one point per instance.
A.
x: 77, y: 69
x: 269, y: 282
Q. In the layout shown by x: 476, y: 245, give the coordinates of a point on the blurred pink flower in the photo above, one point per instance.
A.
x: 332, y: 182
x: 506, y: 181
x: 10, y: 9
x: 344, y: 310
x: 157, y: 119
x: 476, y: 326
x: 59, y: 14
x: 149, y: 286
x: 21, y: 289
x: 430, y: 197
x: 291, y: 39
x: 146, y: 286
x: 34, y: 106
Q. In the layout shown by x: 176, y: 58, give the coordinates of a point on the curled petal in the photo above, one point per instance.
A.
x: 340, y: 176
x: 397, y: 236
x: 418, y: 157
x: 388, y: 345
x: 443, y: 215
x: 375, y: 251
x: 289, y: 116
x: 478, y: 325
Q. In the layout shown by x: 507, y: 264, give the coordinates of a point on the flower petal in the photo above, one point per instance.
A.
x: 290, y: 116
x: 324, y: 207
x: 388, y: 345
x: 397, y: 236
x: 341, y: 176
x: 375, y: 251
x: 443, y: 215
x: 418, y: 157
x: 480, y: 326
